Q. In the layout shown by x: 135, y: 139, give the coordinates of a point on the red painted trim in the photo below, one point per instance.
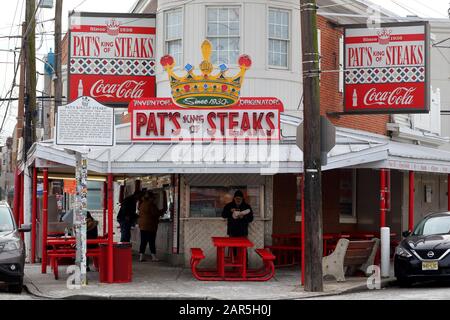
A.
x: 382, y: 198
x: 393, y: 38
x: 411, y: 201
x: 122, y: 30
x: 33, y: 215
x: 21, y: 212
x: 110, y: 229
x: 105, y: 205
x: 16, y: 197
x: 44, y: 221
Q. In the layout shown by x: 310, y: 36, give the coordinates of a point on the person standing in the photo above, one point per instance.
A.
x: 127, y: 216
x: 238, y: 214
x: 149, y: 215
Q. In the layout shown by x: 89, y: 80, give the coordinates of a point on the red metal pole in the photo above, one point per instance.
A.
x: 21, y: 212
x: 33, y: 215
x: 448, y: 192
x: 411, y: 201
x: 382, y: 198
x: 21, y: 199
x: 16, y: 196
x: 105, y: 204
x: 110, y: 229
x: 44, y: 221
x: 302, y: 192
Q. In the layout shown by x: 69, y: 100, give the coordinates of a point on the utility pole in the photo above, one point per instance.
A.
x: 30, y: 96
x: 311, y: 152
x: 57, y: 80
x: 20, y: 111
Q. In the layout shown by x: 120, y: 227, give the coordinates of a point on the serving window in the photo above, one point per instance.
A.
x: 208, y: 202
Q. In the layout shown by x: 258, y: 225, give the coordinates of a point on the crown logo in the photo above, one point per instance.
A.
x: 112, y: 27
x: 206, y: 89
x: 384, y: 37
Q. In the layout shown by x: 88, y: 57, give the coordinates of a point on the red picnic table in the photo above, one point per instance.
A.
x: 63, y: 247
x: 236, y: 260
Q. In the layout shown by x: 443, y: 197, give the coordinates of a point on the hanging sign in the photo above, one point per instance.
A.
x: 387, y: 68
x: 112, y: 56
x: 85, y: 122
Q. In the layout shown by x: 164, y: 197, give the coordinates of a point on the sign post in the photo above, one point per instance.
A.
x: 83, y: 122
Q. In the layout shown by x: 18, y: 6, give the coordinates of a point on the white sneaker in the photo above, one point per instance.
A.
x: 154, y: 258
x: 141, y: 257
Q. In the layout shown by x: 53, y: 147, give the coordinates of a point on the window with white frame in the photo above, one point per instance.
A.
x: 174, y: 34
x: 223, y: 30
x: 278, y: 38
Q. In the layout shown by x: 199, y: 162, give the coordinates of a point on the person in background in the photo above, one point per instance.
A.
x: 149, y: 215
x: 91, y: 233
x: 127, y: 216
x: 238, y: 214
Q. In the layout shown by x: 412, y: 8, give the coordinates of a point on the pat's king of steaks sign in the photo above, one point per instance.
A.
x: 387, y: 68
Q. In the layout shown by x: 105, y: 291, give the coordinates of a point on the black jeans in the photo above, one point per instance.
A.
x: 150, y: 238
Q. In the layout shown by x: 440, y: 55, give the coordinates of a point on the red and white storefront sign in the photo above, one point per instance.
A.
x: 160, y: 119
x: 386, y: 69
x: 112, y: 57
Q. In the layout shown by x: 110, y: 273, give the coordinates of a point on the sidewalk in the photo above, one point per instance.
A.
x: 159, y: 281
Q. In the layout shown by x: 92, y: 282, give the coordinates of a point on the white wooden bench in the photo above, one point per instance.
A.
x: 354, y: 254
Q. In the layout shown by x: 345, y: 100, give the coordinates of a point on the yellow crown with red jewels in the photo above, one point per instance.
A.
x: 206, y: 89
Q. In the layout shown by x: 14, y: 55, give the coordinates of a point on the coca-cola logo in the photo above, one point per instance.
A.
x: 129, y: 89
x: 398, y: 96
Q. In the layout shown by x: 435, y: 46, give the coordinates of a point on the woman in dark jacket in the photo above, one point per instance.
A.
x: 149, y: 215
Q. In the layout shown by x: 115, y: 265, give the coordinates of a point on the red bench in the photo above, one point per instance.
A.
x: 56, y: 254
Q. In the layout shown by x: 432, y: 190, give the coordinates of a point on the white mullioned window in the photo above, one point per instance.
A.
x: 174, y: 34
x: 279, y: 38
x: 223, y: 30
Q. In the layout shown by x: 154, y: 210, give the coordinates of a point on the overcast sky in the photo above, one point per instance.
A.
x: 12, y: 14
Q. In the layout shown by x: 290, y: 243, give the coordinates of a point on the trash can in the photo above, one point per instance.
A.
x: 122, y: 262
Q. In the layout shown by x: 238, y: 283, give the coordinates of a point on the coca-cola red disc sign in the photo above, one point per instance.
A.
x: 386, y: 68
x: 112, y: 57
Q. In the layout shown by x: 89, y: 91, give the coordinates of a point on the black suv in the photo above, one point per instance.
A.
x: 12, y: 250
x: 425, y: 253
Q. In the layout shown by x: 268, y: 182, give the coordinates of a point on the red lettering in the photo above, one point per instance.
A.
x: 151, y: 125
x: 222, y: 116
x: 141, y: 120
x: 245, y: 125
x: 174, y: 118
x: 257, y: 121
x: 212, y: 130
x: 162, y: 118
x: 269, y: 121
x: 233, y: 123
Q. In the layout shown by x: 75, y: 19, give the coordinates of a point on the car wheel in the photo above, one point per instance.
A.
x: 16, y: 288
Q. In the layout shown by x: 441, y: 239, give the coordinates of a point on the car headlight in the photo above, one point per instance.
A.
x: 12, y: 245
x: 402, y: 252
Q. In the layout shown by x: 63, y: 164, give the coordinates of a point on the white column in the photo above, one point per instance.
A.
x: 385, y: 251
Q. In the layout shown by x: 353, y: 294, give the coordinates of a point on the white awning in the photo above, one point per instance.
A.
x: 354, y: 149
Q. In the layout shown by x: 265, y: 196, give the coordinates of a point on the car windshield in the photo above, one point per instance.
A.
x: 433, y: 225
x: 6, y: 221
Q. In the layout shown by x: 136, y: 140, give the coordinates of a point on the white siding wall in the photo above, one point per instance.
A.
x: 260, y: 80
x: 440, y: 72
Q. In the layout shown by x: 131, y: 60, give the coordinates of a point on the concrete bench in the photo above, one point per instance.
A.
x: 350, y: 254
